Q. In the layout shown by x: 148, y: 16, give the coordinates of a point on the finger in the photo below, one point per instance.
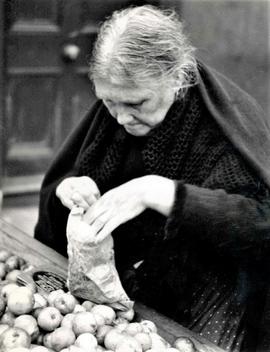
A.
x: 89, y: 186
x: 98, y: 225
x: 90, y: 199
x: 95, y: 211
x: 107, y: 229
x: 67, y: 202
x: 77, y: 199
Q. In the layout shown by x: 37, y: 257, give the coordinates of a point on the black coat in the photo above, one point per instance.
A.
x: 237, y: 226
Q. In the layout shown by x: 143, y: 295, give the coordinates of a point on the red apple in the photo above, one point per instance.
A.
x: 86, y: 341
x: 13, y: 275
x: 101, y: 333
x: 21, y: 300
x: 7, y: 289
x: 13, y: 262
x: 105, y: 311
x: 29, y: 324
x: 67, y: 320
x: 53, y: 295
x: 14, y: 337
x: 49, y: 318
x: 84, y: 322
x: 4, y: 255
x: 8, y: 318
x: 127, y: 314
x: 88, y: 305
x: 3, y: 327
x: 65, y: 303
x: 61, y: 338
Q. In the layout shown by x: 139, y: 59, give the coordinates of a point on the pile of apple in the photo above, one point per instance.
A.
x: 59, y: 322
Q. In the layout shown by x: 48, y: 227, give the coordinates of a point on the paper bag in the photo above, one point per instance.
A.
x: 91, y: 270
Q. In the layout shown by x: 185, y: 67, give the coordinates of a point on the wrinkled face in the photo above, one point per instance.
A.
x: 138, y: 109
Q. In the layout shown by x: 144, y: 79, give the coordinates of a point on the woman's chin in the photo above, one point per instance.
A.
x: 137, y: 130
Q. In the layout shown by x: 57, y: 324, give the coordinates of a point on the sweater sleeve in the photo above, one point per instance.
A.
x: 51, y: 225
x: 234, y: 224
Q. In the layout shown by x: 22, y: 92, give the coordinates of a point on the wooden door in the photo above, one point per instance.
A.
x: 47, y: 90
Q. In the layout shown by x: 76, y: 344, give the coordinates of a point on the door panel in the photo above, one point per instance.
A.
x: 47, y: 90
x: 33, y: 73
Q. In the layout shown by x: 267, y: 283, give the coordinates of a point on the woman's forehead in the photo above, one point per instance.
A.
x: 120, y: 92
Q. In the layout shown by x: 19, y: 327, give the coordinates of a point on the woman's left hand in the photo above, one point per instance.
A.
x: 127, y: 201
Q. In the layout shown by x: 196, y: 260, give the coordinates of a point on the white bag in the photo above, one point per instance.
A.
x: 91, y: 270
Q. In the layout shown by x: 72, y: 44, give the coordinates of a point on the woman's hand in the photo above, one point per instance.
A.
x: 127, y: 201
x: 81, y: 191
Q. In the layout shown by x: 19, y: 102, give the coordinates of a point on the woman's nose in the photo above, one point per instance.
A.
x: 123, y: 118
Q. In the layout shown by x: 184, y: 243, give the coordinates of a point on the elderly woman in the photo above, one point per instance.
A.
x: 173, y: 160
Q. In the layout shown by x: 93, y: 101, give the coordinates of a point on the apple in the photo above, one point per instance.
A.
x: 7, y: 289
x: 88, y: 305
x: 26, y: 267
x: 21, y: 300
x: 100, y: 320
x: 13, y: 275
x: 73, y: 348
x: 148, y: 326
x: 61, y: 338
x: 29, y: 324
x: 53, y: 295
x: 67, y: 320
x: 40, y: 349
x: 144, y: 339
x: 120, y: 323
x: 112, y: 338
x: 101, y: 333
x: 128, y: 344
x: 8, y: 318
x: 79, y: 308
x: 12, y: 263
x: 35, y: 312
x: 185, y: 344
x: 4, y: 255
x: 133, y: 328
x: 127, y: 314
x: 47, y: 340
x: 105, y: 311
x: 20, y: 349
x: 84, y: 322
x: 171, y: 349
x: 101, y: 349
x: 86, y: 341
x: 14, y: 337
x: 3, y: 327
x: 3, y: 271
x: 39, y: 339
x: 158, y: 343
x: 65, y: 303
x: 49, y: 318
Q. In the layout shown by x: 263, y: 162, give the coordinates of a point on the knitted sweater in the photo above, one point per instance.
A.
x: 219, y: 221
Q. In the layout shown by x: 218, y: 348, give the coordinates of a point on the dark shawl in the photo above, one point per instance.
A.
x: 242, y: 122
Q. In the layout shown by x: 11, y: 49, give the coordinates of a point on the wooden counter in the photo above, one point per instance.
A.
x: 38, y: 255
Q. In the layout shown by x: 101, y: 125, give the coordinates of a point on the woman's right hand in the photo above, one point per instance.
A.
x: 81, y: 191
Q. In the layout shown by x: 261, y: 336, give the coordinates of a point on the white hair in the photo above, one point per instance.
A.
x: 144, y: 45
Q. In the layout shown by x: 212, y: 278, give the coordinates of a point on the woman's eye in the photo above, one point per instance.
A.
x: 136, y: 105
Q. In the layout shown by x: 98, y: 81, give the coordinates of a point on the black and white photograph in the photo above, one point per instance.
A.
x: 134, y: 176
